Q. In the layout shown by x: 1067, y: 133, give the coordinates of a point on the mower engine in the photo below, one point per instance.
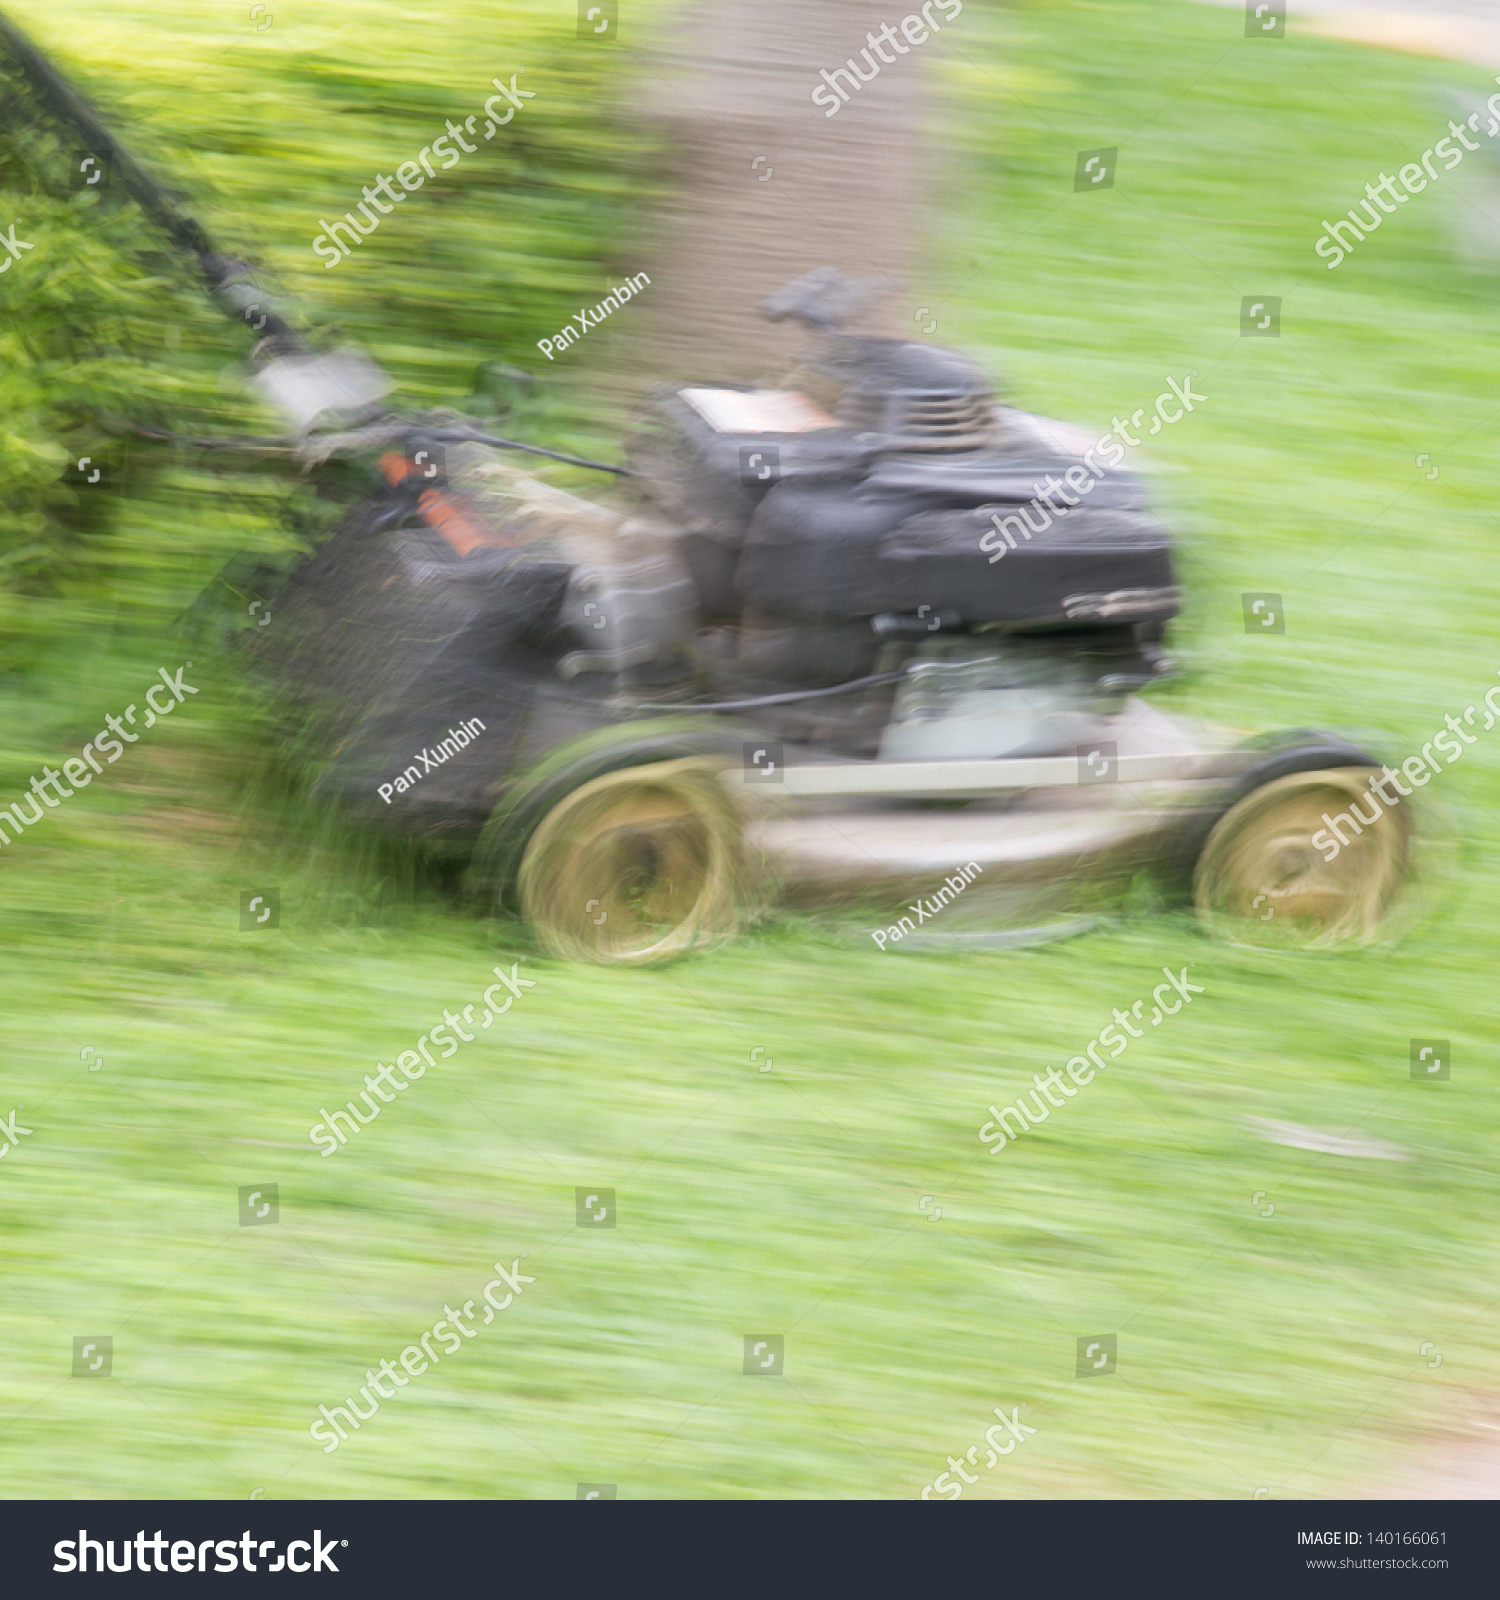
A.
x: 881, y: 512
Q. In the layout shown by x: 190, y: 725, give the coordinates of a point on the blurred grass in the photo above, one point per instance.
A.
x: 1278, y: 1352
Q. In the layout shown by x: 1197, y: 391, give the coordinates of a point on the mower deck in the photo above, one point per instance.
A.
x: 1048, y: 838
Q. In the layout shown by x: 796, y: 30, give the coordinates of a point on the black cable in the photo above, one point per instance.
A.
x: 452, y: 437
x: 224, y: 442
x: 287, y: 446
x: 781, y: 699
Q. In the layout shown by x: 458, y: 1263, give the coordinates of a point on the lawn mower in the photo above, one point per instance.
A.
x: 793, y: 653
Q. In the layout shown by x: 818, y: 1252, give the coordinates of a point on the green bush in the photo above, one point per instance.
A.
x: 264, y: 130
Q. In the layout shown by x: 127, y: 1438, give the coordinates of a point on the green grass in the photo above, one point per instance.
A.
x: 1281, y: 1352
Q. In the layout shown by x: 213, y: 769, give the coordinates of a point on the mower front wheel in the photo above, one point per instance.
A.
x: 1271, y: 873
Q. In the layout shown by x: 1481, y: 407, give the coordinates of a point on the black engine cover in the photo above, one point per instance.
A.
x: 950, y: 536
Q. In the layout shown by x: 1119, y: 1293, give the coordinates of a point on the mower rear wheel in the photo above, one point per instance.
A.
x: 1260, y: 879
x: 636, y: 867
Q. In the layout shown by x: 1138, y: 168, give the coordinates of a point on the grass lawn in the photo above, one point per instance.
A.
x: 1278, y: 1351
